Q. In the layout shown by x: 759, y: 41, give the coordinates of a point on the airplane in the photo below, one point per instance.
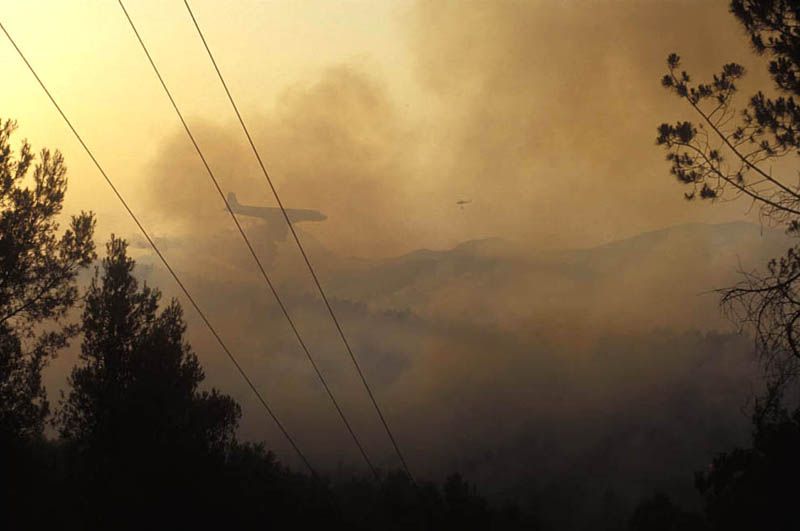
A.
x: 273, y: 215
x: 463, y: 202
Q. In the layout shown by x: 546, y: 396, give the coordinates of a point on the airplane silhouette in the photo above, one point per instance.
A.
x: 463, y: 202
x: 273, y: 215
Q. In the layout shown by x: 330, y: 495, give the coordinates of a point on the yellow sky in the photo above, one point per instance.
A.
x: 380, y: 114
x: 86, y: 53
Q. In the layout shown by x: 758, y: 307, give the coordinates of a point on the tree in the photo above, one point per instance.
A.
x: 659, y: 513
x: 39, y: 265
x: 751, y: 154
x: 38, y: 269
x: 146, y: 437
x: 754, y: 488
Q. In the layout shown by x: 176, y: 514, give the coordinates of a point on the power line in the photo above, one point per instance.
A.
x: 300, y: 246
x: 162, y: 257
x: 250, y: 247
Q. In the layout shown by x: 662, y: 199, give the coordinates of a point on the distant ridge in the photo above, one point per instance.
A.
x: 496, y: 247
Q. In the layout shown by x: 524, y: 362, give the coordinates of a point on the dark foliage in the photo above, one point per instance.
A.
x: 137, y: 371
x: 659, y: 513
x: 774, y: 28
x: 140, y: 432
x: 396, y: 503
x: 724, y: 156
x: 38, y: 267
x: 729, y: 154
x: 143, y: 447
x: 755, y: 488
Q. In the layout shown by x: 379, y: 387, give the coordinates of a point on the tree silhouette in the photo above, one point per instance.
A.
x: 38, y: 268
x: 755, y: 488
x: 142, y: 446
x: 750, y: 154
x: 39, y: 264
x: 729, y: 154
x: 143, y: 433
x: 659, y: 513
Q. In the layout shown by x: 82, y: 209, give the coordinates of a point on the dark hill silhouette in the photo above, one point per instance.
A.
x: 554, y: 341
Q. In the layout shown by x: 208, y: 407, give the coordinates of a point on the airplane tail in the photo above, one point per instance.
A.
x: 232, y: 201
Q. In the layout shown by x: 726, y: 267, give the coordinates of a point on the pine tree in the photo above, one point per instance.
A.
x: 144, y: 433
x: 38, y: 268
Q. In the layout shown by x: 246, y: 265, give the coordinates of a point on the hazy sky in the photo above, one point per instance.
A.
x: 380, y: 114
